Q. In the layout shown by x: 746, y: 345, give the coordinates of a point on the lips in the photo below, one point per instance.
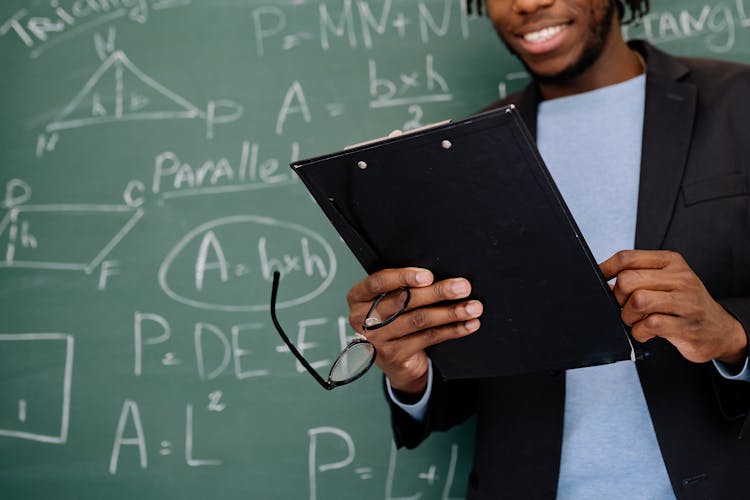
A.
x: 541, y: 39
x: 543, y: 34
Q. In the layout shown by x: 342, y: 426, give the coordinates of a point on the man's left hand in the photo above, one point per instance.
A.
x: 662, y: 297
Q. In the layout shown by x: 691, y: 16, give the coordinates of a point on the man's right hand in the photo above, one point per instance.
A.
x: 427, y: 321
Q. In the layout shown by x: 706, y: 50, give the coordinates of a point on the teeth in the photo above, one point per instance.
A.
x: 544, y: 34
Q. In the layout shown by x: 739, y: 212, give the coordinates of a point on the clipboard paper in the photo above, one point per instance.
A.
x: 482, y: 206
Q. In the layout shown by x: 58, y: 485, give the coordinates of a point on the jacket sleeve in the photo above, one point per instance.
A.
x: 734, y: 395
x: 450, y: 403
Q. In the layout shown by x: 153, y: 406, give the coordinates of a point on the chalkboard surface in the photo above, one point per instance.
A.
x: 146, y: 199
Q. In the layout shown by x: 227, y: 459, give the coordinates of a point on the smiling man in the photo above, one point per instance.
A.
x: 568, y: 48
x: 652, y: 155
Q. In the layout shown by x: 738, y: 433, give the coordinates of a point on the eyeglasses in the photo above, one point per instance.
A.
x: 359, y: 354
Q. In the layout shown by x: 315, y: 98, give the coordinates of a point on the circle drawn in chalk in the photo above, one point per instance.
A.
x: 262, y: 222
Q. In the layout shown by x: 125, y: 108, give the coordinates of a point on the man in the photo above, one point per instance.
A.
x: 650, y: 152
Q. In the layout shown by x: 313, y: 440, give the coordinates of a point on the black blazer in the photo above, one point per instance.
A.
x: 693, y: 198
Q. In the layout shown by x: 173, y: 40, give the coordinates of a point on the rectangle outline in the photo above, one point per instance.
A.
x: 68, y: 373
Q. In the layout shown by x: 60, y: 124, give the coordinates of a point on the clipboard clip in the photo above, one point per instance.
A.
x: 397, y: 133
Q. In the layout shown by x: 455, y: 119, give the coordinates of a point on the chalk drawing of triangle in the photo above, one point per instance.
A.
x: 119, y: 91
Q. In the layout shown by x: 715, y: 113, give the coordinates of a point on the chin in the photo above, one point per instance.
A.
x: 559, y: 71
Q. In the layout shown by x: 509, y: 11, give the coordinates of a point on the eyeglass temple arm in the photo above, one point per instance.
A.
x: 292, y: 348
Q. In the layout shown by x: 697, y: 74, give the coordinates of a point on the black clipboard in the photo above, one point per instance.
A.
x: 473, y: 198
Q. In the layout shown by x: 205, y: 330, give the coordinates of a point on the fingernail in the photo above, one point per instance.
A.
x: 423, y: 278
x: 472, y: 325
x: 460, y: 287
x: 474, y: 307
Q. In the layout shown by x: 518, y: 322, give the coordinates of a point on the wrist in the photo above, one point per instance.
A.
x: 738, y: 350
x: 412, y: 388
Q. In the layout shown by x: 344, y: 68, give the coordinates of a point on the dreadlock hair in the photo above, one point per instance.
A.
x: 471, y: 4
x: 638, y: 9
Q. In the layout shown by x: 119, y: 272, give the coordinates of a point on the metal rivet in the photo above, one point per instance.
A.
x: 446, y: 144
x: 362, y: 165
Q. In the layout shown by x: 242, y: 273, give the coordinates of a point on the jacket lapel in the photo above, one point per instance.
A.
x: 528, y: 104
x: 667, y: 128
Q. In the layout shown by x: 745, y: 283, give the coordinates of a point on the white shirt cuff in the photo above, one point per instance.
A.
x: 723, y: 370
x: 418, y: 410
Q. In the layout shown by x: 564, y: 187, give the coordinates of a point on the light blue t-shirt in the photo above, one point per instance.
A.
x: 591, y: 143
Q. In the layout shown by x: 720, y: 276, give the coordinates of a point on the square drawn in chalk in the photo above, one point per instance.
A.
x: 35, y: 375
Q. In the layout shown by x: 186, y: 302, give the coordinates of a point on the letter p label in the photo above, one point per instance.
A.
x: 161, y: 324
x: 314, y: 467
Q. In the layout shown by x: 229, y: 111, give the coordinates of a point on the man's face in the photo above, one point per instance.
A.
x: 556, y: 40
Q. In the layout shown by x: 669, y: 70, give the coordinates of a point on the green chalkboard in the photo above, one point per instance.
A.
x: 145, y: 200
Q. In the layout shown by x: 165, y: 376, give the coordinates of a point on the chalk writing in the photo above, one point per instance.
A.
x: 165, y: 448
x: 303, y: 346
x: 332, y: 449
x: 189, y: 443
x: 511, y: 82
x: 215, y: 402
x: 129, y: 413
x: 315, y: 466
x: 226, y: 350
x: 295, y: 251
x: 295, y: 102
x: 100, y: 101
x: 174, y: 177
x: 429, y: 86
x: 50, y: 25
x: 430, y: 476
x: 360, y: 24
x: 130, y: 433
x: 717, y: 24
x: 24, y: 248
x: 14, y: 348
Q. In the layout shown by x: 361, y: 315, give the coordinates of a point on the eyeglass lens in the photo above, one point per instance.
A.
x: 354, y: 361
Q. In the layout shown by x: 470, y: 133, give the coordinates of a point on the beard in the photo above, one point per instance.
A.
x: 599, y: 29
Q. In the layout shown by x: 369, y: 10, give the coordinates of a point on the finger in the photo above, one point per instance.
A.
x: 385, y: 307
x: 656, y: 325
x: 387, y: 280
x: 426, y: 318
x: 643, y: 303
x: 450, y: 289
x: 637, y: 259
x: 631, y: 280
x: 421, y: 340
x: 445, y: 290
